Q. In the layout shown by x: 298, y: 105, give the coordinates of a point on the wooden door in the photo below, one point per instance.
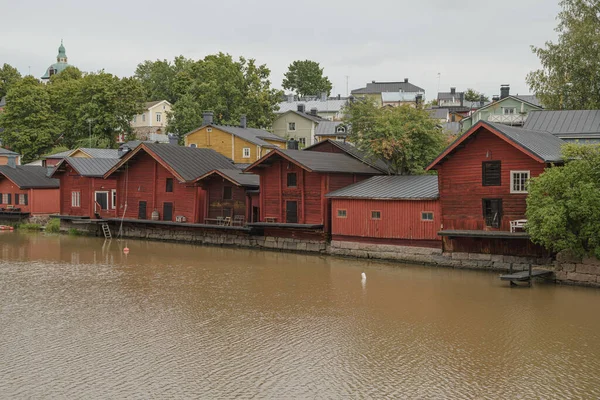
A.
x: 167, y: 211
x: 255, y: 214
x: 291, y: 212
x: 142, y: 210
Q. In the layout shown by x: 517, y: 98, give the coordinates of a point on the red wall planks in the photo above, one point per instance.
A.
x: 39, y: 201
x: 400, y: 219
x: 460, y: 182
x: 71, y: 181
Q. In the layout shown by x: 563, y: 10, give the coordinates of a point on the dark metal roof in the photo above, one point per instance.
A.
x: 392, y: 187
x: 189, y: 162
x: 565, y: 124
x: 438, y: 113
x: 240, y: 177
x: 352, y: 151
x: 100, y: 153
x: 62, y: 154
x: 450, y: 95
x: 90, y: 167
x: 530, y: 98
x: 329, y: 128
x: 329, y: 162
x: 6, y: 152
x: 543, y: 144
x: 29, y: 177
x: 380, y: 87
x: 314, y: 118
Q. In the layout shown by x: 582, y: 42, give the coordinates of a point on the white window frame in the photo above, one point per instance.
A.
x: 505, y: 110
x: 107, y: 200
x: 512, y: 182
x: 113, y: 198
x: 193, y: 145
x: 342, y: 213
x: 143, y: 117
x: 134, y: 119
x: 209, y: 130
x: 302, y: 141
x: 246, y: 152
x: 75, y: 199
x: 340, y: 129
x: 22, y: 199
x: 376, y: 218
x: 158, y: 117
x: 290, y: 126
x: 423, y: 213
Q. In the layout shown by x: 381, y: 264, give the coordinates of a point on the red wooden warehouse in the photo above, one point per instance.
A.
x: 401, y: 210
x: 161, y: 179
x: 83, y: 190
x: 483, y: 179
x: 230, y: 193
x: 293, y: 184
x: 27, y: 190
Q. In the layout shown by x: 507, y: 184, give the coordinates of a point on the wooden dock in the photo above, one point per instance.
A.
x: 525, y: 276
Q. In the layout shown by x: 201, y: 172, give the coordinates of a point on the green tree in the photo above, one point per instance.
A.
x: 563, y: 205
x: 8, y: 77
x: 474, y: 95
x: 570, y: 73
x: 405, y: 137
x: 227, y: 87
x: 30, y: 126
x: 306, y: 79
x: 164, y: 80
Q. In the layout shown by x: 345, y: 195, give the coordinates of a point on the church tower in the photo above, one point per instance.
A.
x: 59, y: 65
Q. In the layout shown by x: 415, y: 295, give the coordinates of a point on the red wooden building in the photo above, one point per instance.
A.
x: 27, y: 189
x: 162, y: 178
x: 483, y: 183
x: 83, y: 190
x: 335, y: 146
x: 293, y: 184
x: 230, y: 193
x: 401, y: 210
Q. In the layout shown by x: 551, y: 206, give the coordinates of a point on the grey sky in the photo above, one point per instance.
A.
x: 472, y: 43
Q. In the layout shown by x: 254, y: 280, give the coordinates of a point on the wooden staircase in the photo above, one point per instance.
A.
x: 106, y: 230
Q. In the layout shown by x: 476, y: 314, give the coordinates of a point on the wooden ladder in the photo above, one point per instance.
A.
x: 106, y: 231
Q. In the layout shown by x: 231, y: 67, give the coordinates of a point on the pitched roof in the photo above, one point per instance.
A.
x: 98, y: 153
x: 88, y: 167
x: 450, y: 95
x: 529, y: 98
x: 329, y: 105
x: 252, y: 135
x: 151, y: 104
x: 29, y: 177
x: 6, y: 152
x: 353, y: 151
x: 399, y: 96
x: 392, y: 187
x: 62, y: 154
x: 316, y: 161
x: 236, y: 176
x: 526, y: 99
x: 380, y: 87
x: 329, y: 128
x: 542, y: 146
x: 186, y: 163
x: 314, y: 118
x: 565, y: 124
x: 438, y: 113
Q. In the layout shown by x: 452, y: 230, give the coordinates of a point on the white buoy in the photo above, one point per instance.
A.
x: 364, y: 276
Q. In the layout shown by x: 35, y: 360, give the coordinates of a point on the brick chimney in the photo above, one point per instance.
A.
x: 301, y: 108
x: 207, y: 118
x: 504, y: 91
x: 243, y: 121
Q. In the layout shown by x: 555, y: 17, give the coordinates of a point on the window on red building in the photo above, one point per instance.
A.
x: 291, y: 179
x: 491, y: 173
x: 227, y: 193
x: 169, y: 187
x: 492, y: 212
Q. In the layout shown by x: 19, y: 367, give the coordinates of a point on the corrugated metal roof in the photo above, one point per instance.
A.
x: 380, y: 87
x: 189, y: 162
x: 329, y: 162
x: 244, y: 179
x: 100, y: 153
x: 329, y: 128
x: 399, y: 96
x: 543, y: 144
x: 62, y: 154
x: 90, y: 167
x: 352, y: 151
x: 29, y: 177
x: 306, y: 115
x: 392, y: 187
x: 530, y: 98
x: 450, y: 95
x: 329, y: 105
x: 6, y: 152
x: 565, y: 124
x: 438, y: 113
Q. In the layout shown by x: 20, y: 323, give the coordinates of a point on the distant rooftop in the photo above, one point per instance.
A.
x: 380, y: 87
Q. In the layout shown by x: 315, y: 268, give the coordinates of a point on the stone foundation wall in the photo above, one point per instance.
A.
x: 424, y: 255
x: 576, y: 271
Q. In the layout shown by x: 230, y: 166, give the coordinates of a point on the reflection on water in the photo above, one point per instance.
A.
x: 80, y: 319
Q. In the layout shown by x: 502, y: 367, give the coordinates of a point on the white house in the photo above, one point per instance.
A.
x: 151, y: 124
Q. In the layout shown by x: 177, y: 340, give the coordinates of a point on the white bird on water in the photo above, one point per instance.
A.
x: 364, y: 276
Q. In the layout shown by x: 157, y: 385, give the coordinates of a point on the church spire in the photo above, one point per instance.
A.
x: 62, y: 53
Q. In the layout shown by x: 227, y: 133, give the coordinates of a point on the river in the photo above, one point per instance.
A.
x: 80, y: 319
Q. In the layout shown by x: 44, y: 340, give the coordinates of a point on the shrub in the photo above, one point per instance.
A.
x: 53, y: 226
x: 30, y: 227
x: 74, y: 232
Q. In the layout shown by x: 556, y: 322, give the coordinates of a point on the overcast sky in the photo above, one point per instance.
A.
x: 472, y: 43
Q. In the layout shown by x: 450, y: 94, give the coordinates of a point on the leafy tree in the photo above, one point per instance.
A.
x: 306, y: 79
x: 473, y: 95
x: 570, y: 74
x: 563, y: 205
x: 8, y: 77
x: 29, y: 124
x: 405, y: 137
x: 227, y: 87
x: 163, y: 80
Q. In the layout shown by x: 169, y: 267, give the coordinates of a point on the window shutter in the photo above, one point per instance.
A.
x: 26, y: 199
x: 16, y: 199
x: 1, y: 198
x: 9, y: 198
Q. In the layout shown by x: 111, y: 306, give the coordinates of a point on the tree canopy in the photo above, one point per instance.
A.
x: 563, y: 205
x: 405, y: 137
x: 217, y: 83
x: 8, y: 77
x: 570, y: 73
x: 306, y: 79
x: 474, y: 95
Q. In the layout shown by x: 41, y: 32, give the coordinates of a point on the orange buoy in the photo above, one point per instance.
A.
x: 126, y: 250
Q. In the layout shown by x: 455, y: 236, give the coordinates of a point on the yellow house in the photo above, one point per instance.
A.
x: 242, y: 144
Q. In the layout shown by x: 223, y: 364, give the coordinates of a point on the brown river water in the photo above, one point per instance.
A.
x: 81, y: 320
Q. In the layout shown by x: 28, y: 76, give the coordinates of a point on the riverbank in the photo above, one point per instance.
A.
x: 303, y: 239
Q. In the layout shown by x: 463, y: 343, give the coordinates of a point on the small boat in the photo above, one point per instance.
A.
x: 7, y: 228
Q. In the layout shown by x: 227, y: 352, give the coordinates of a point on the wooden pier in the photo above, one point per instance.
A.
x: 525, y: 276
